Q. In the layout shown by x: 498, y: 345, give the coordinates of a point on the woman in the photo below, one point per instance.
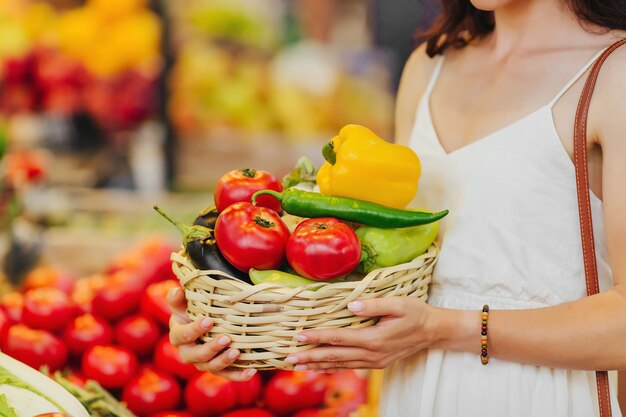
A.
x: 492, y: 120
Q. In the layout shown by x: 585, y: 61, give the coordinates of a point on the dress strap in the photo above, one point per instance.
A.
x: 433, y: 80
x: 576, y: 77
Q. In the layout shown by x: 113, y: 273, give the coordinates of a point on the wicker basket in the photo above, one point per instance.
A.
x: 263, y: 320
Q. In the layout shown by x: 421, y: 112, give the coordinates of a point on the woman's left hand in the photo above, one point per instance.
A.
x: 407, y: 325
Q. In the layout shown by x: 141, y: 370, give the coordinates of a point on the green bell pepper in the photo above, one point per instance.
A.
x: 388, y: 247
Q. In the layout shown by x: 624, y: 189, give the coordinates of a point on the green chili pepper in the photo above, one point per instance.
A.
x: 279, y: 277
x: 311, y: 205
x: 388, y: 247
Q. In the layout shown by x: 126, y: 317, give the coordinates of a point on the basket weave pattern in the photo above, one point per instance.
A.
x: 263, y: 320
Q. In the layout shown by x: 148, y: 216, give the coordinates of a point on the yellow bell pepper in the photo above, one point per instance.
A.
x: 361, y: 165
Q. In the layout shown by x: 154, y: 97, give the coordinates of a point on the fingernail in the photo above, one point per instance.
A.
x: 291, y: 359
x: 206, y: 322
x: 233, y: 353
x: 224, y: 340
x: 300, y: 368
x: 173, y: 293
x: 301, y: 338
x: 250, y: 373
x: 355, y: 306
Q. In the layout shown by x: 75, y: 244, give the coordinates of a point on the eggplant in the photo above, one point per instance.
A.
x: 207, y: 217
x: 205, y: 255
x: 202, y: 251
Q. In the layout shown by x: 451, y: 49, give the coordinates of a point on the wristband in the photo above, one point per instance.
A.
x: 484, y: 355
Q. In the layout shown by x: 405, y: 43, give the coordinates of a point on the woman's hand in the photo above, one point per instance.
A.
x: 207, y: 356
x: 407, y: 325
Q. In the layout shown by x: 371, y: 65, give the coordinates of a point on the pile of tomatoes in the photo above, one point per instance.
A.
x: 112, y: 328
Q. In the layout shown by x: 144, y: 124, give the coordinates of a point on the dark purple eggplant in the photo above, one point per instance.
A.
x: 202, y: 251
x: 207, y: 217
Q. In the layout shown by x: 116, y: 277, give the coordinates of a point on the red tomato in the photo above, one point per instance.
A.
x: 239, y: 185
x: 167, y: 358
x: 118, y: 298
x: 209, y: 395
x: 249, y: 412
x: 251, y: 237
x: 309, y: 412
x: 13, y: 304
x: 49, y: 276
x: 86, y: 331
x: 151, y: 391
x: 346, y: 391
x: 154, y: 301
x: 4, y: 326
x: 289, y: 392
x: 76, y: 378
x: 35, y: 347
x: 46, y: 309
x: 323, y: 249
x: 111, y: 366
x: 172, y: 414
x: 320, y: 412
x: 149, y: 262
x: 248, y: 392
x: 137, y: 333
x: 85, y: 290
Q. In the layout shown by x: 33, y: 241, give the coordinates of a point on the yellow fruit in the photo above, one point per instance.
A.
x: 78, y: 33
x: 114, y: 9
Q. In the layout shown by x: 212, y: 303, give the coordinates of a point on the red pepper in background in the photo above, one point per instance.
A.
x: 86, y: 331
x: 46, y: 309
x: 111, y: 366
x: 209, y: 395
x: 35, y: 348
x: 151, y: 391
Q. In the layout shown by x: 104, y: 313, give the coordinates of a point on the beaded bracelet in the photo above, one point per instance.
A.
x: 484, y: 356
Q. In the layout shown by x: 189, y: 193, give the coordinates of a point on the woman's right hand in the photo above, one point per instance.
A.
x: 214, y: 356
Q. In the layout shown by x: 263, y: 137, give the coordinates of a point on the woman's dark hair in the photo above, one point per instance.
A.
x: 460, y: 22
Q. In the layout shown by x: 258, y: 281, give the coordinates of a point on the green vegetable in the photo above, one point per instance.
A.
x: 279, y: 277
x: 309, y: 204
x: 97, y: 401
x: 7, y: 378
x: 302, y: 176
x: 5, y: 409
x: 388, y: 247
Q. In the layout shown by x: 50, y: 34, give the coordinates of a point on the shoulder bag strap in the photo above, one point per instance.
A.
x: 584, y: 207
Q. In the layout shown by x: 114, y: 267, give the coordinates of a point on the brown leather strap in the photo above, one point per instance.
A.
x: 584, y: 206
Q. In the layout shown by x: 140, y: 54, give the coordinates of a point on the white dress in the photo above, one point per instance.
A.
x: 512, y: 241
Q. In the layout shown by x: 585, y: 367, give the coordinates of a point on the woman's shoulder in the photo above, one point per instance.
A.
x: 419, y: 68
x: 609, y: 104
x: 415, y: 77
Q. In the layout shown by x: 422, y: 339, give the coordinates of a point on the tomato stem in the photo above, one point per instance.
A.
x: 264, y: 222
x: 249, y: 172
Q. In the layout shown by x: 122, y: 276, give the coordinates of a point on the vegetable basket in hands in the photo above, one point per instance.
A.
x: 263, y: 320
x: 365, y: 181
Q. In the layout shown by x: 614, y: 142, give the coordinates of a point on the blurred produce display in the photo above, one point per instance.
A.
x: 101, y: 58
x: 111, y: 328
x: 254, y: 82
x: 249, y: 65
